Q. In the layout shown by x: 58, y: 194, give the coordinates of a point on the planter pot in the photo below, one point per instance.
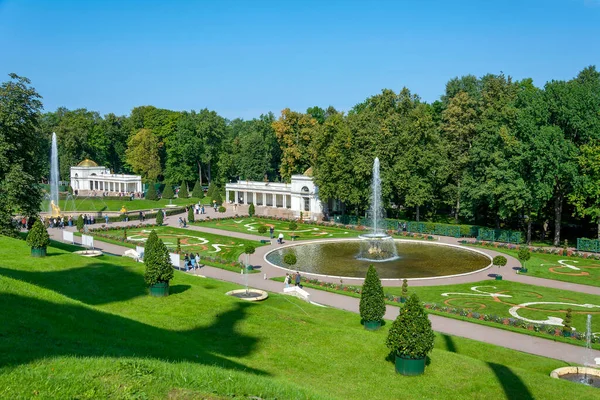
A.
x: 160, y: 289
x: 498, y: 277
x: 523, y: 270
x: 250, y: 268
x: 38, y: 252
x: 372, y: 325
x: 410, y: 366
x: 566, y: 334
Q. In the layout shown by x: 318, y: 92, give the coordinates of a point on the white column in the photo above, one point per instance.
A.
x: 274, y: 196
x: 236, y: 198
x: 284, y: 200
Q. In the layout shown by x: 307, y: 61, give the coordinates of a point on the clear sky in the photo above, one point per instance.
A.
x: 247, y: 57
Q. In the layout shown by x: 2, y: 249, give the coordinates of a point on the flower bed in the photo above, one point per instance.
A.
x: 542, y: 250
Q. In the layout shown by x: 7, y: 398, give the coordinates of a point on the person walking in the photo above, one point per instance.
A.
x: 272, y: 232
x: 298, y: 279
x: 287, y: 280
x: 186, y: 262
x: 197, y: 260
x: 280, y: 238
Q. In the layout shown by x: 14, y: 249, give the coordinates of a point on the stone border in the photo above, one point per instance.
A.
x: 263, y: 294
x: 557, y: 373
x: 88, y: 253
x: 384, y: 279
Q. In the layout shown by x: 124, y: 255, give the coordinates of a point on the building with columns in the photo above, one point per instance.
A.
x: 88, y: 177
x: 279, y: 199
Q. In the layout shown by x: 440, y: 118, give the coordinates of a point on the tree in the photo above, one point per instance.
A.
x: 216, y: 197
x: 405, y: 289
x: 294, y: 133
x: 142, y: 154
x: 80, y: 223
x: 586, y: 194
x: 251, y: 210
x: 411, y: 335
x: 372, y: 299
x: 198, y: 192
x: 20, y: 150
x: 191, y: 213
x: 159, y: 217
x: 157, y: 260
x: 168, y: 191
x: 211, y: 190
x: 151, y: 192
x: 38, y: 236
x: 183, y: 191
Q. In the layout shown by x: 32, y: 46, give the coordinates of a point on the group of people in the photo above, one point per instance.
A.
x: 199, y: 209
x: 191, y: 262
x: 297, y: 278
x: 182, y: 222
x: 53, y: 222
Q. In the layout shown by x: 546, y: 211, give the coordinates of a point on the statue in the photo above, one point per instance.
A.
x: 55, y: 209
x: 123, y: 210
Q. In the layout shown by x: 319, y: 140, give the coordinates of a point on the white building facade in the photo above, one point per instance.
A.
x: 291, y: 200
x: 88, y: 177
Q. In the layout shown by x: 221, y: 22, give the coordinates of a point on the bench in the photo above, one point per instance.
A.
x: 265, y: 241
x: 294, y: 237
x: 297, y: 292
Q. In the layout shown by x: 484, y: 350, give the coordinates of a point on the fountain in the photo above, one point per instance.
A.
x: 54, y: 209
x: 583, y: 375
x: 247, y: 293
x: 377, y: 246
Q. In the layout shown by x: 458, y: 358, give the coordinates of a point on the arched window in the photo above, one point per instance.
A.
x: 305, y: 189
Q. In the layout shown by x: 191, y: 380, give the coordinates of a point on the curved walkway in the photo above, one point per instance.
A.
x: 512, y: 340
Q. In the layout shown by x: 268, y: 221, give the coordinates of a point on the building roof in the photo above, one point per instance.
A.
x: 87, y: 163
x: 308, y: 172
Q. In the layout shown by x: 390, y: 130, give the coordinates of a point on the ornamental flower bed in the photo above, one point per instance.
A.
x: 542, y: 250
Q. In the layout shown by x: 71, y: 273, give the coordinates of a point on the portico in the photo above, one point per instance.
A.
x: 88, y: 177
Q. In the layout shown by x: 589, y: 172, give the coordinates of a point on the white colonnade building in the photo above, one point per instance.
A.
x: 88, y: 177
x: 287, y: 200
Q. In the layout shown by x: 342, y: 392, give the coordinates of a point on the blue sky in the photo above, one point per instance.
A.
x: 243, y: 58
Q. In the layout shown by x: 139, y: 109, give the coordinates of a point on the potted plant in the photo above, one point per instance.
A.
x: 38, y: 239
x: 524, y: 255
x: 410, y: 338
x: 404, y: 296
x: 567, y: 329
x: 499, y: 261
x: 159, y: 270
x: 372, y: 301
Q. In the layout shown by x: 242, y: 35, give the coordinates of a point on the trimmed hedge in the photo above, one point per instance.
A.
x: 372, y: 299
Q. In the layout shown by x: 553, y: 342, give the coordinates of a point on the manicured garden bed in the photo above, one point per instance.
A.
x: 80, y: 328
x: 93, y: 204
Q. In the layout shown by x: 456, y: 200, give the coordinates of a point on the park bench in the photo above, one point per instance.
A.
x: 265, y: 241
x: 294, y: 237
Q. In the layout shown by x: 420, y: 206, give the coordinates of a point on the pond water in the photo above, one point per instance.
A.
x: 415, y: 260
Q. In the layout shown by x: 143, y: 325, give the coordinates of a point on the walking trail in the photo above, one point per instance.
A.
x: 512, y: 340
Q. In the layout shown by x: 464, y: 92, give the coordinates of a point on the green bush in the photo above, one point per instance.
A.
x: 168, y: 192
x: 183, y: 191
x: 411, y: 335
x: 159, y: 217
x: 191, y: 213
x: 290, y: 259
x: 151, y: 192
x: 499, y: 261
x: 232, y: 196
x: 524, y: 254
x: 79, y: 223
x: 372, y: 299
x: 178, y: 248
x: 249, y: 249
x: 158, y: 262
x: 211, y: 190
x: 262, y: 229
x: 216, y: 197
x: 405, y: 289
x: 251, y: 210
x: 197, y: 192
x: 567, y: 322
x: 222, y: 209
x: 293, y: 226
x: 38, y: 235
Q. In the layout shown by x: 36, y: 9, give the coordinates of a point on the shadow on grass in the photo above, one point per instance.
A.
x: 513, y: 386
x: 450, y: 346
x: 96, y: 283
x: 34, y: 329
x: 176, y: 289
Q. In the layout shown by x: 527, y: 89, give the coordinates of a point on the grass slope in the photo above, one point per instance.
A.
x: 79, y: 328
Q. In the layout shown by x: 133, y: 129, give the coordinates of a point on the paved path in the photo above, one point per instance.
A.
x: 516, y: 341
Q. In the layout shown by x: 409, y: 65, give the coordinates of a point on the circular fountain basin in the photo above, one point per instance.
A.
x: 583, y: 375
x: 248, y: 295
x: 171, y: 205
x: 416, y: 259
x: 89, y: 253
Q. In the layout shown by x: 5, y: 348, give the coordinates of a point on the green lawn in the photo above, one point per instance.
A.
x: 82, y: 204
x: 547, y: 266
x: 221, y: 248
x: 303, y: 232
x: 85, y: 328
x: 475, y: 297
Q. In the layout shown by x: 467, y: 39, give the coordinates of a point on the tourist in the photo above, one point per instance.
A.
x: 298, y: 279
x: 85, y: 220
x: 192, y: 262
x: 70, y: 221
x: 106, y: 219
x: 272, y: 232
x: 202, y: 210
x: 180, y: 220
x: 186, y: 262
x: 197, y: 261
x: 280, y: 238
x: 184, y: 223
x: 287, y: 280
x: 141, y: 216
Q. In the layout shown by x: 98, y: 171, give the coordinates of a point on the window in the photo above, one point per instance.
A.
x: 305, y: 189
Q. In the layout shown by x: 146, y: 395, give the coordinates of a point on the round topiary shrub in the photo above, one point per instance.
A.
x: 157, y: 260
x: 222, y: 209
x: 262, y: 229
x: 290, y: 259
x: 499, y: 261
x: 372, y: 300
x: 249, y: 249
x: 411, y: 336
x: 293, y: 226
x: 38, y: 237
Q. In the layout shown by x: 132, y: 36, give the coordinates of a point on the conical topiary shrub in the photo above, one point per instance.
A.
x: 159, y: 217
x: 372, y: 300
x: 410, y: 338
x: 197, y: 192
x: 168, y: 191
x: 251, y: 210
x: 151, y: 192
x: 216, y: 197
x: 80, y: 223
x: 211, y: 190
x: 183, y: 191
x: 38, y: 239
x: 159, y: 270
x: 191, y: 213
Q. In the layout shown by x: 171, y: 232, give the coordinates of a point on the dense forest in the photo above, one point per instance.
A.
x: 491, y: 151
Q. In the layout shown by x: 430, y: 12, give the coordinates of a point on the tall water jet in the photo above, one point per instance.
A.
x: 53, y: 208
x: 377, y: 245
